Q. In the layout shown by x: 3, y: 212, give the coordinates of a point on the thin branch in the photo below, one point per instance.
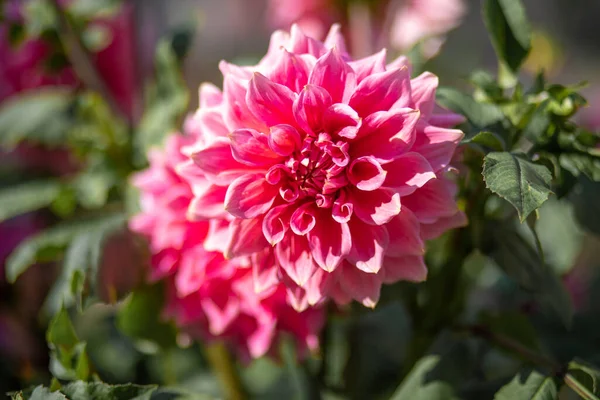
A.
x: 222, y: 365
x: 579, y: 388
x: 81, y: 60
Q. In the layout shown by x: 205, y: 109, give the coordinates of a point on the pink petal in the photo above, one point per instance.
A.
x: 431, y: 202
x: 209, y: 95
x: 245, y: 238
x: 369, y: 243
x: 333, y: 74
x: 276, y: 223
x: 208, y: 204
x: 218, y: 235
x: 236, y: 113
x: 423, y: 93
x: 301, y: 44
x: 309, y: 106
x: 437, y: 145
x: 400, y: 62
x: 290, y: 70
x: 377, y: 207
x: 381, y: 91
x: 435, y: 229
x: 361, y: 286
x: 219, y: 318
x: 329, y: 241
x: 446, y: 119
x: 217, y: 163
x: 366, y: 173
x: 335, y: 39
x: 404, y: 230
x: 260, y: 340
x: 370, y: 65
x: 342, y: 208
x: 284, y: 139
x: 251, y: 148
x: 264, y: 270
x: 317, y: 287
x: 270, y: 102
x: 341, y: 120
x: 295, y: 258
x: 249, y: 196
x: 303, y: 219
x: 407, y: 268
x: 386, y: 135
x: 408, y: 172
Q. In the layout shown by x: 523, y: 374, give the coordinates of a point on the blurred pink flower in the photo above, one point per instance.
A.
x: 427, y: 21
x: 210, y: 296
x: 337, y: 165
x: 313, y: 16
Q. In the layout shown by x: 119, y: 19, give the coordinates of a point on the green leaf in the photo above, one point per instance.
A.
x: 101, y: 391
x: 49, y: 244
x: 513, y: 325
x: 40, y: 116
x: 139, y: 316
x: 168, y: 100
x: 481, y: 115
x: 515, y: 256
x: 38, y: 393
x: 513, y: 177
x: 577, y: 163
x: 587, y: 375
x: 509, y: 31
x: 487, y: 139
x: 529, y: 386
x: 61, y: 331
x: 26, y: 197
x: 586, y: 202
x: 415, y: 385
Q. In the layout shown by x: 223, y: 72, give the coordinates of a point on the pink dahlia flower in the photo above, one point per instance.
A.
x: 336, y: 165
x: 425, y: 20
x: 210, y: 296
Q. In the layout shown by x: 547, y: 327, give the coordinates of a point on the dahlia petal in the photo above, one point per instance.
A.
x: 437, y: 145
x: 249, y: 196
x: 342, y: 208
x: 432, y: 201
x: 245, y: 238
x: 294, y: 256
x: 218, y: 164
x: 377, y: 207
x: 208, y: 204
x: 210, y: 125
x: 276, y: 223
x: 264, y: 271
x: 369, y: 243
x: 435, y: 229
x: 260, y: 340
x: 366, y: 173
x: 370, y: 65
x: 251, y: 148
x: 330, y: 241
x: 290, y: 70
x: 404, y: 231
x: 284, y: 139
x: 236, y: 113
x: 220, y: 318
x: 386, y: 135
x: 407, y: 268
x: 301, y: 44
x: 218, y: 235
x: 362, y: 287
x: 408, y: 172
x: 381, y: 91
x: 423, y: 93
x: 335, y: 40
x: 191, y: 273
x: 309, y: 106
x: 209, y: 95
x: 270, y: 102
x: 400, y: 62
x: 341, y: 120
x: 317, y: 286
x: 303, y: 219
x: 446, y: 119
x: 333, y: 74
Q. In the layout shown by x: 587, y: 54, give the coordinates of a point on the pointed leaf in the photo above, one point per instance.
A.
x: 529, y: 386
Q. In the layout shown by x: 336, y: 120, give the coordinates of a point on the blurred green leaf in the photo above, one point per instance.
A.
x: 49, y: 244
x: 167, y: 100
x: 586, y: 374
x: 586, y: 202
x: 38, y: 393
x: 39, y: 17
x: 92, y: 187
x: 529, y: 386
x: 509, y: 31
x: 101, y: 391
x: 139, y: 317
x: 487, y: 139
x: 513, y: 325
x: 487, y: 85
x: 26, y: 197
x: 513, y: 177
x: 68, y: 358
x: 39, y: 116
x: 577, y: 163
x: 481, y: 115
x: 96, y: 37
x: 515, y: 256
x: 61, y: 331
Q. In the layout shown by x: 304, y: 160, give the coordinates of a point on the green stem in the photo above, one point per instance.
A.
x: 222, y: 365
x: 578, y: 388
